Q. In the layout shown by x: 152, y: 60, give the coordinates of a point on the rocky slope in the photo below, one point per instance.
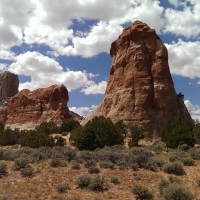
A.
x: 28, y: 108
x: 140, y: 89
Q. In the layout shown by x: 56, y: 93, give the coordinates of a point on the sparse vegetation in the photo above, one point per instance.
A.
x: 114, y: 179
x: 27, y: 172
x: 62, y: 187
x: 3, y: 169
x: 174, y: 168
x: 142, y: 192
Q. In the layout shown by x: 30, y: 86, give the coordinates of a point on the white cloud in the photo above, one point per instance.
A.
x: 6, y: 55
x: 45, y: 71
x: 3, y: 66
x: 184, y: 58
x: 82, y: 110
x: 193, y: 109
x: 176, y: 3
x: 184, y: 22
x: 93, y: 88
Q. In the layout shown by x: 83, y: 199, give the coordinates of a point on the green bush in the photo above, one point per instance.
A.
x: 198, y: 182
x: 60, y: 141
x: 97, y: 133
x: 188, y: 162
x: 75, y: 165
x: 34, y: 139
x: 106, y: 164
x: 176, y: 191
x: 195, y: 154
x: 83, y: 180
x: 90, y: 163
x: 114, y: 179
x: 28, y: 171
x: 62, y: 187
x: 142, y: 193
x: 136, y: 135
x: 57, y: 162
x: 139, y: 156
x: 47, y: 127
x: 93, y: 170
x: 69, y: 126
x: 3, y: 169
x: 96, y: 183
x: 22, y: 162
x: 177, y: 131
x: 174, y: 168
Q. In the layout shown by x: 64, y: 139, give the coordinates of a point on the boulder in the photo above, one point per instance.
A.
x: 140, y: 88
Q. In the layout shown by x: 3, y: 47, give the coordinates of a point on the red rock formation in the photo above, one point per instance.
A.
x: 9, y: 83
x: 140, y: 89
x: 33, y: 107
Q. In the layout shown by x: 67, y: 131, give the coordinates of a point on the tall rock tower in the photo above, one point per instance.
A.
x: 140, y: 89
x: 9, y: 83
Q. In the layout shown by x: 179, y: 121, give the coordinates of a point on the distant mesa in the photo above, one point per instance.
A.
x: 28, y: 108
x: 140, y: 88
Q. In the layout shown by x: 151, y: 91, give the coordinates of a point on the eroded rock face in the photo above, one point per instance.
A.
x: 140, y: 89
x: 32, y: 107
x: 9, y: 83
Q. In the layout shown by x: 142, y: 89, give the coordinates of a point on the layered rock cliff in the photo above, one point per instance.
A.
x: 140, y: 89
x: 29, y: 108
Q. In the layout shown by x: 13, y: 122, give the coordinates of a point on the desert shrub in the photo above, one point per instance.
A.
x: 28, y: 171
x: 183, y: 147
x: 65, y: 133
x: 162, y: 185
x: 114, y: 157
x: 69, y: 126
x: 139, y: 156
x: 90, y: 163
x: 106, y: 164
x: 39, y: 156
x: 174, y: 179
x: 174, y: 168
x: 150, y: 165
x: 75, y: 165
x: 60, y: 141
x: 195, y: 154
x: 3, y: 169
x: 62, y: 187
x: 83, y: 180
x: 93, y: 170
x: 174, y: 156
x: 47, y: 151
x: 57, y: 162
x: 188, y: 161
x: 5, y: 154
x: 114, y: 179
x: 134, y: 166
x: 22, y: 162
x: 142, y: 192
x: 158, y: 162
x: 176, y: 191
x: 69, y: 153
x: 136, y: 135
x: 34, y: 139
x: 177, y: 131
x: 85, y: 155
x: 96, y: 183
x: 47, y: 127
x: 198, y: 182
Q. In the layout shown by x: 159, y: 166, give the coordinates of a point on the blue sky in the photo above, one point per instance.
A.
x: 68, y: 42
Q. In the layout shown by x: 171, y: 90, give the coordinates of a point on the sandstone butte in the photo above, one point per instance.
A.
x: 9, y: 83
x: 140, y: 88
x: 29, y: 108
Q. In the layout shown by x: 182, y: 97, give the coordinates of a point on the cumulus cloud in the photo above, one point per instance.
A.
x: 193, y: 109
x: 3, y: 66
x: 45, y: 71
x: 93, y: 88
x: 184, y: 22
x: 6, y: 55
x: 184, y: 58
x: 82, y: 110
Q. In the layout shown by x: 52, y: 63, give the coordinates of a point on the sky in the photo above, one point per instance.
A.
x: 68, y: 42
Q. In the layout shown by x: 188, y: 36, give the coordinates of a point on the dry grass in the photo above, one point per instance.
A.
x: 42, y: 185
